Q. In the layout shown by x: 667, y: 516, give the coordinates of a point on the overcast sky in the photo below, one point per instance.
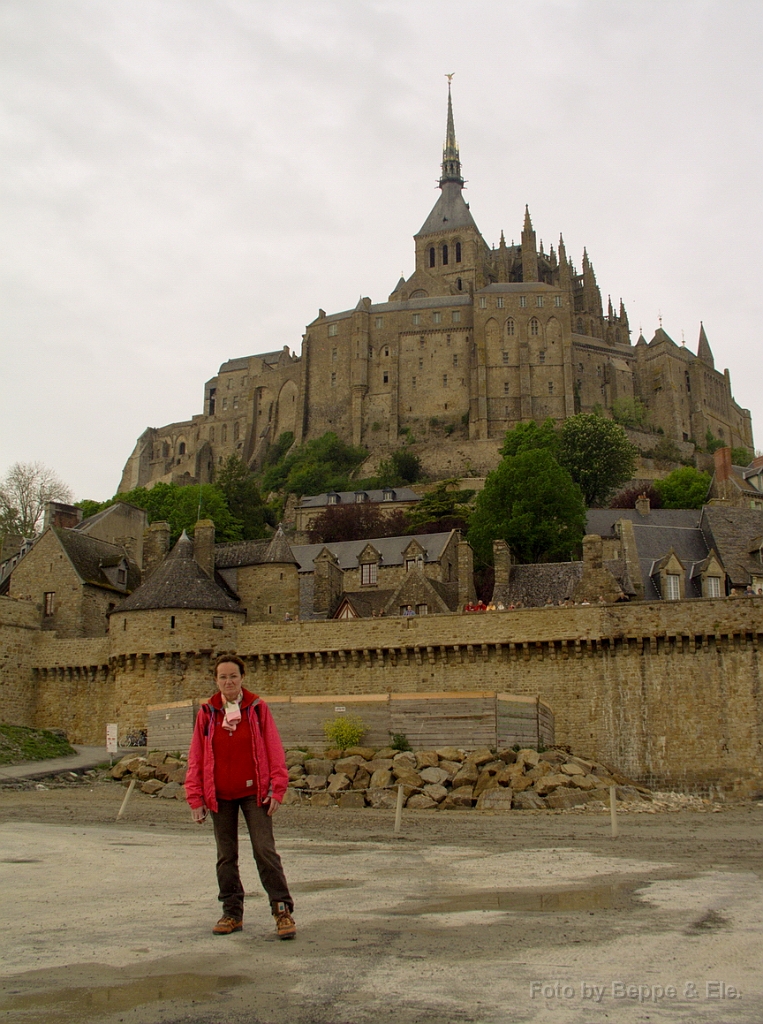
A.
x: 186, y: 181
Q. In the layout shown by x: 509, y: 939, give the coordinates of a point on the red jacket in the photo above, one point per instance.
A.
x: 267, y: 750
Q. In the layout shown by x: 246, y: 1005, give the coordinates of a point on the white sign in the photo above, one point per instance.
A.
x: 112, y: 741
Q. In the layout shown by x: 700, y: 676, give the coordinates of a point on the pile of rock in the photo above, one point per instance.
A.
x: 445, y: 778
x: 158, y: 774
x: 453, y: 778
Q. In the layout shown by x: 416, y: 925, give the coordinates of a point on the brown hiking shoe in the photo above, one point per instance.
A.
x: 284, y: 922
x: 226, y: 925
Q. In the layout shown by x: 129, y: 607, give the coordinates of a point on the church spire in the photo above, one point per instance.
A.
x: 451, y: 164
x: 704, y: 352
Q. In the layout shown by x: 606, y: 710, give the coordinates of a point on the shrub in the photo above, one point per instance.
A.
x: 344, y: 731
x: 399, y: 741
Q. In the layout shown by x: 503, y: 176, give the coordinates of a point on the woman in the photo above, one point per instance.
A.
x: 237, y: 761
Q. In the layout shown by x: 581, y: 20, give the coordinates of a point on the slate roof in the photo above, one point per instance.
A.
x: 731, y: 531
x: 179, y: 582
x: 279, y: 550
x: 390, y: 548
x: 449, y: 213
x: 534, y: 584
x: 365, y: 603
x: 375, y: 495
x: 242, y: 552
x: 89, y: 556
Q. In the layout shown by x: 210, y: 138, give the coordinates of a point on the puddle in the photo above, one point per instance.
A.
x: 81, y: 1004
x: 324, y: 883
x: 598, y: 897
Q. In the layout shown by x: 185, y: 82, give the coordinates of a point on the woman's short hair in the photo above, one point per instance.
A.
x: 223, y: 659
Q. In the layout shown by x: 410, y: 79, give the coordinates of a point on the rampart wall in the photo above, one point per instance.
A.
x: 668, y: 692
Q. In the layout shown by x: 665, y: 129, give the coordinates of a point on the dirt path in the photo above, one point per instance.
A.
x: 530, y: 916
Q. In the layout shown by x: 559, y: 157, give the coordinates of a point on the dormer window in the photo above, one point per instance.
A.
x: 360, y: 497
x: 369, y: 574
x: 672, y: 587
x: 332, y: 498
x: 122, y: 576
x: 388, y: 494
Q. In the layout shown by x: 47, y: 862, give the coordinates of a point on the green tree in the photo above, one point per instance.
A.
x: 243, y: 498
x: 597, y: 454
x: 684, y: 488
x: 325, y: 464
x: 630, y: 412
x: 712, y: 443
x: 362, y: 521
x: 532, y: 503
x: 444, y: 508
x: 527, y: 437
x: 182, y: 507
x: 741, y: 456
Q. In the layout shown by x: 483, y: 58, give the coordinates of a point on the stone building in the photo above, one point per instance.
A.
x: 476, y: 340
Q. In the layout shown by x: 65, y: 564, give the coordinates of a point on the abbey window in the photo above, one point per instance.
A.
x: 445, y: 255
x: 534, y: 327
x: 431, y: 257
x: 458, y: 252
x: 510, y: 326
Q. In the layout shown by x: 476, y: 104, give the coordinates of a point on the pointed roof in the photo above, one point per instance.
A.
x: 528, y: 225
x: 279, y: 549
x: 179, y: 582
x: 450, y: 211
x: 451, y: 163
x: 704, y: 352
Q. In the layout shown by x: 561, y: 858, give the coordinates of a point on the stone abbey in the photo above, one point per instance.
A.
x: 476, y: 340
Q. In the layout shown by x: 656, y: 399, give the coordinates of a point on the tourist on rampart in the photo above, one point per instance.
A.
x: 236, y: 762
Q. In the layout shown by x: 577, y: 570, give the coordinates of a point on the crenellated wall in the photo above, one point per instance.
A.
x: 669, y: 692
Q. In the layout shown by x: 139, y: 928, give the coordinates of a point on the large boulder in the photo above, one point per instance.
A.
x: 365, y: 752
x: 426, y: 759
x: 152, y: 787
x: 451, y: 768
x: 405, y: 758
x: 382, y: 798
x: 318, y: 766
x: 407, y: 775
x: 481, y: 756
x: 507, y: 755
x: 352, y: 798
x: 486, y: 781
x: 551, y: 782
x: 497, y: 799
x: 376, y: 763
x: 420, y: 802
x: 362, y: 779
x: 461, y: 796
x: 450, y: 754
x: 314, y: 782
x: 170, y: 791
x: 565, y: 797
x: 381, y: 779
x: 126, y: 766
x: 528, y: 757
x: 436, y: 792
x: 467, y: 775
x: 338, y: 782
x: 434, y: 776
x: 323, y: 799
x: 528, y: 801
x: 295, y: 757
x: 349, y: 765
x: 296, y: 772
x: 570, y: 768
x: 291, y: 796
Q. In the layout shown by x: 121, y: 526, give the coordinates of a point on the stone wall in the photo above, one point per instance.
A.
x: 668, y: 692
x: 19, y: 629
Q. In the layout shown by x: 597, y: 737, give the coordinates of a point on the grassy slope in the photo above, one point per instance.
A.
x: 18, y: 744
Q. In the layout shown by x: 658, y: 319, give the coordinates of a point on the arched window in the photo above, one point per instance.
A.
x: 458, y: 252
x: 181, y: 448
x: 459, y: 285
x: 510, y: 326
x: 225, y: 432
x: 579, y: 326
x: 236, y: 427
x: 212, y: 435
x: 431, y: 257
x: 445, y: 255
x: 534, y: 326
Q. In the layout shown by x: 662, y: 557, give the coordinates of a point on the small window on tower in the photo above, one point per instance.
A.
x: 416, y: 319
x: 505, y: 357
x: 456, y: 316
x: 436, y: 318
x: 385, y: 377
x: 510, y: 326
x: 541, y: 357
x: 333, y: 330
x: 499, y: 302
x: 49, y: 603
x: 413, y: 382
x: 551, y: 387
x: 378, y: 322
x: 558, y: 301
x: 333, y: 355
x: 445, y: 255
x: 505, y: 387
x: 522, y: 301
x: 458, y: 252
x: 534, y: 326
x: 445, y: 380
x: 431, y: 257
x: 455, y: 359
x: 333, y: 380
x: 483, y: 302
x: 539, y: 300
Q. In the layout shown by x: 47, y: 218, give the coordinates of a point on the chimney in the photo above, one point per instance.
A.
x: 204, y: 546
x: 466, y: 591
x: 58, y: 514
x: 592, y: 550
x: 722, y: 457
x: 643, y: 505
x: 156, y: 544
x: 502, y: 565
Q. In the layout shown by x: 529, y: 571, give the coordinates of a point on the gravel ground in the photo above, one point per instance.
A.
x: 465, y: 916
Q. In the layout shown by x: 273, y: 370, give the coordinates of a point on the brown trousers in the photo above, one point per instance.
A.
x: 260, y: 826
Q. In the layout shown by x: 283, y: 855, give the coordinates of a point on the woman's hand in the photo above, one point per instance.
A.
x: 199, y: 814
x: 273, y: 806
